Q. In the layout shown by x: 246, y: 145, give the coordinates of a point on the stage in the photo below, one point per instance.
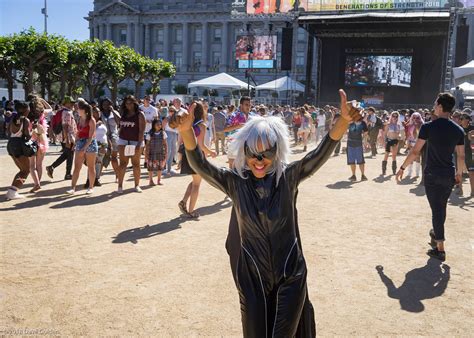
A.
x: 417, y: 38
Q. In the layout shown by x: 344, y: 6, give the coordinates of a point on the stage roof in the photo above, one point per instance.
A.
x: 398, y: 15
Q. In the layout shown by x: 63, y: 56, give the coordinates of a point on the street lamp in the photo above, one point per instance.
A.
x: 44, y: 11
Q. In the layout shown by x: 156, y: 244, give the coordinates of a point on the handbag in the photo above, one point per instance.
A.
x: 129, y: 150
x: 29, y: 148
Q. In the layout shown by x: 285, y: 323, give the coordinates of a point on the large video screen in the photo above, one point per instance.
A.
x: 269, y: 6
x: 378, y: 70
x: 263, y: 51
x: 370, y: 5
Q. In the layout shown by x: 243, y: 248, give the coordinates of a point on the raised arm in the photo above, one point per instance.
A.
x: 309, y: 164
x: 219, y: 178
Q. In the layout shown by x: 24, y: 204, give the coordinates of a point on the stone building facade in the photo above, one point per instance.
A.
x: 198, y: 36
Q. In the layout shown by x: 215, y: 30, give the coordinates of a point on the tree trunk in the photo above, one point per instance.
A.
x: 29, y: 83
x: 10, y: 83
x: 43, y: 86
x: 114, y: 91
x: 62, y: 87
x: 137, y: 89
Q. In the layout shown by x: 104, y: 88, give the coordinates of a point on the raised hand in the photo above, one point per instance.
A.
x: 350, y: 111
x: 184, y: 120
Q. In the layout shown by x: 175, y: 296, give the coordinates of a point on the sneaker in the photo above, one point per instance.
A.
x: 363, y: 178
x: 13, y: 195
x: 120, y: 190
x: 89, y: 191
x: 68, y: 177
x: 71, y: 192
x: 49, y: 171
x: 172, y: 172
x: 97, y: 183
x: 138, y: 189
x: 353, y: 178
x: 435, y: 253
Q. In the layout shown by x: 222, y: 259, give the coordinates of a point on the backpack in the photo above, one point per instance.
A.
x: 57, y: 122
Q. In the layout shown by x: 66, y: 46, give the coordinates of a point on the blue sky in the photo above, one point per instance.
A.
x: 65, y: 17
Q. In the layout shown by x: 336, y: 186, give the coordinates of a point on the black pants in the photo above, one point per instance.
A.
x: 373, y: 134
x: 66, y: 155
x: 438, y: 189
x: 338, y: 148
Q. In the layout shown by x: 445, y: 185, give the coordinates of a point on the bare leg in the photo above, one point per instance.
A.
x: 362, y: 169
x: 123, y: 166
x: 78, y: 161
x: 33, y: 171
x: 23, y: 164
x: 136, y: 167
x: 353, y: 169
x: 39, y: 164
x: 187, y: 193
x: 194, y: 192
x: 90, y: 160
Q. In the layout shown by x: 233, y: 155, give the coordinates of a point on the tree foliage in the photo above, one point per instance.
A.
x: 52, y: 61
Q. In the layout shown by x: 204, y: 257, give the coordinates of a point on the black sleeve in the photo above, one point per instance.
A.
x: 219, y: 178
x: 423, y: 134
x: 308, y: 165
x: 461, y: 139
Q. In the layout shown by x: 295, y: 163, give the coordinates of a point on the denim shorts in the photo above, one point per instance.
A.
x: 122, y: 142
x: 92, y: 148
x: 355, y: 155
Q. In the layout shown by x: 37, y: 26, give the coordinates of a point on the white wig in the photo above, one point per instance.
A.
x: 270, y: 131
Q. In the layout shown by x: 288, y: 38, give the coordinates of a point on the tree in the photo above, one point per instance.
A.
x: 72, y: 71
x: 7, y: 63
x: 135, y: 67
x: 156, y: 70
x: 101, y: 60
x: 118, y: 74
x: 33, y: 50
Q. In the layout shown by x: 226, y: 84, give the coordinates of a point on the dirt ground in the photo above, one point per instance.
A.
x: 128, y: 264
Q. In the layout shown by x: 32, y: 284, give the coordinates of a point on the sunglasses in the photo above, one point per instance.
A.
x: 269, y: 154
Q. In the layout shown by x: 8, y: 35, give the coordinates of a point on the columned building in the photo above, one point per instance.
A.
x: 198, y: 36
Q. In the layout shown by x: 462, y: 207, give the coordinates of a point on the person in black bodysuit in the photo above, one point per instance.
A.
x: 270, y: 270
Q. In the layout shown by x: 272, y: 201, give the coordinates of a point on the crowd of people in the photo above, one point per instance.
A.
x: 263, y: 242
x: 102, y: 135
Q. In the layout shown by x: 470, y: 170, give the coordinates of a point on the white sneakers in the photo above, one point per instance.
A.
x: 89, y: 191
x: 13, y: 195
x: 71, y: 192
x: 138, y: 189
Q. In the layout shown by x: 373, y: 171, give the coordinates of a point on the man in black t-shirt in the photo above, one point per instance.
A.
x: 355, y: 150
x: 442, y: 138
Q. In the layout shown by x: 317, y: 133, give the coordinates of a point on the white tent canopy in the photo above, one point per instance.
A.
x: 282, y: 84
x: 222, y: 80
x: 465, y: 70
x: 467, y: 88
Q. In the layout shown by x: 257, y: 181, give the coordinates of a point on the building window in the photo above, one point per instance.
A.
x: 197, y: 34
x: 159, y: 55
x: 217, y: 34
x: 159, y: 35
x: 178, y: 35
x: 299, y: 59
x: 197, y: 59
x: 123, y: 36
x: 178, y: 59
x: 216, y: 58
x: 301, y: 34
x: 279, y: 60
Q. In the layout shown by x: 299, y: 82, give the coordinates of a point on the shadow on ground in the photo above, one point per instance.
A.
x: 427, y: 282
x: 342, y: 185
x: 147, y: 231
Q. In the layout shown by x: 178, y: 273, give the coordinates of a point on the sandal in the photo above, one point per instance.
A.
x: 193, y: 215
x: 182, y: 207
x: 35, y: 188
